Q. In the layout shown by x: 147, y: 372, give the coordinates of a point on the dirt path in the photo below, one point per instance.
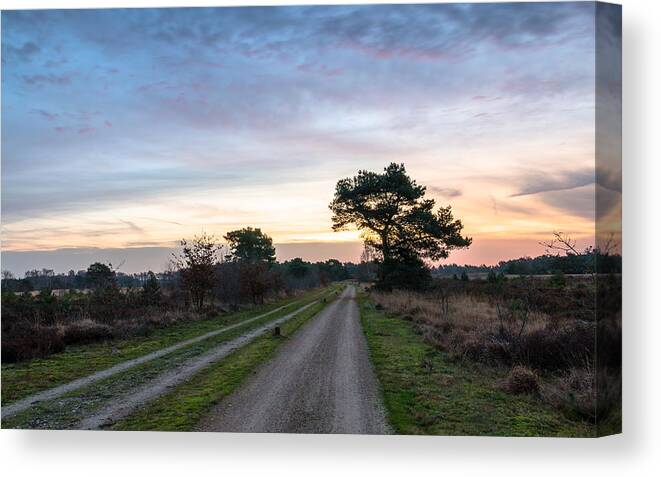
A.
x: 122, y: 406
x: 320, y: 382
x: 58, y: 391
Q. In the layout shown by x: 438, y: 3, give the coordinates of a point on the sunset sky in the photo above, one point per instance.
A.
x: 134, y: 128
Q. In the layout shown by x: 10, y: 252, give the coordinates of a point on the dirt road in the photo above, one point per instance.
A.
x: 320, y: 382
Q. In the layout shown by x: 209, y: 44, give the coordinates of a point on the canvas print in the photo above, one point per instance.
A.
x: 355, y: 219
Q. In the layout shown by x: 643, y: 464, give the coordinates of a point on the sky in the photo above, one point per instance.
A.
x: 124, y: 131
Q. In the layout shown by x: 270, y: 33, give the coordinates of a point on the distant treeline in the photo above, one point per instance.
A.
x: 297, y: 273
x: 47, y: 279
x: 542, y: 265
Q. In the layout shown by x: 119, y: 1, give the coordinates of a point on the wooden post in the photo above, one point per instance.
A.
x: 276, y: 331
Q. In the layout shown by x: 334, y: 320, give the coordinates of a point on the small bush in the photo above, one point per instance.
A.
x: 522, y: 380
x: 86, y: 331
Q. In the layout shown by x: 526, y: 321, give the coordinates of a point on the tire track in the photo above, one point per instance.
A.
x: 124, y: 405
x: 27, y: 402
x: 321, y: 381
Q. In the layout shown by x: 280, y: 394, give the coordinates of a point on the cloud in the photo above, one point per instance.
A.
x: 42, y: 79
x: 609, y: 177
x: 578, y: 202
x: 22, y: 53
x: 132, y: 226
x: 444, y: 191
x: 538, y: 182
x: 499, y: 206
x: 47, y: 115
x: 204, y: 101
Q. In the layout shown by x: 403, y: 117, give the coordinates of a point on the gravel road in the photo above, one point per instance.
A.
x: 122, y: 406
x: 321, y: 381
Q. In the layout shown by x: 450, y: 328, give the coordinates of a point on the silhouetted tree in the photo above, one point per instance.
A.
x: 297, y: 267
x: 101, y: 276
x: 254, y: 252
x: 250, y: 245
x: 151, y: 290
x: 398, y: 223
x: 196, y: 264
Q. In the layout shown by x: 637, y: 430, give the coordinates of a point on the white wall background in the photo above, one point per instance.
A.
x: 636, y: 452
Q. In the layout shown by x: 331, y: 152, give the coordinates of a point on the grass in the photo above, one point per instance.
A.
x: 427, y: 393
x: 182, y: 409
x: 23, y: 379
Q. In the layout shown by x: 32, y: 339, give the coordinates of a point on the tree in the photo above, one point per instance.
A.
x: 297, y: 267
x: 398, y: 223
x: 256, y: 279
x: 254, y: 252
x: 101, y: 276
x: 250, y: 245
x: 151, y: 289
x: 196, y: 264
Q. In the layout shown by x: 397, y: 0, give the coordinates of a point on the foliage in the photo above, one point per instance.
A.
x: 250, y: 245
x: 101, y: 276
x: 580, y: 264
x: 397, y: 222
x: 152, y: 289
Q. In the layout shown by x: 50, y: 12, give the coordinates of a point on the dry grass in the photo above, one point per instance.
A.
x: 464, y: 311
x: 546, y: 356
x: 573, y: 392
x: 504, y: 333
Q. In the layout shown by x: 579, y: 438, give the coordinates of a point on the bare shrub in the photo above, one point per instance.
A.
x: 522, y: 380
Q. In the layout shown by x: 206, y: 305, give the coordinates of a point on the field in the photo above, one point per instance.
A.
x: 506, y: 357
x: 493, y: 359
